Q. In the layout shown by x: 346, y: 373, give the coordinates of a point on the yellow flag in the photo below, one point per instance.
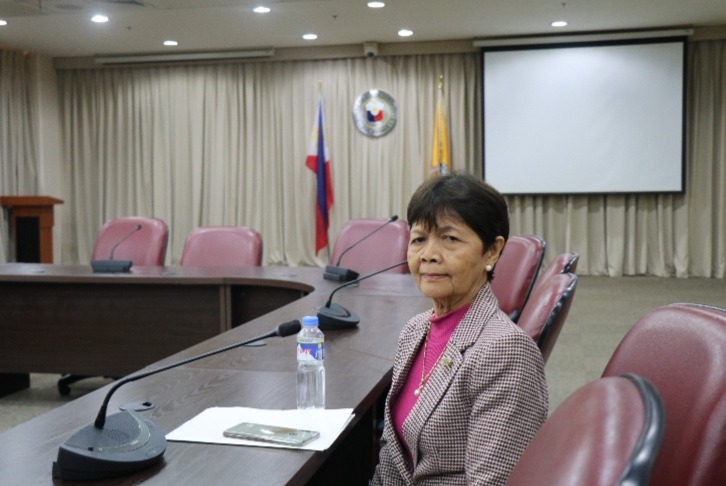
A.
x: 440, y: 162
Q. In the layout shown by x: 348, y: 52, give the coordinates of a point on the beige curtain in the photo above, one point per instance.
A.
x: 226, y: 144
x: 18, y: 161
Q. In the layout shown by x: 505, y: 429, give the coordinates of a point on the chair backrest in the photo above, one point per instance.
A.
x: 546, y: 310
x: 146, y: 246
x: 383, y: 248
x: 562, y: 263
x: 681, y: 350
x: 606, y: 433
x: 516, y: 272
x: 217, y: 246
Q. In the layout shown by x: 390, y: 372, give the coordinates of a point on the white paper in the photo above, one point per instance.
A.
x: 209, y: 425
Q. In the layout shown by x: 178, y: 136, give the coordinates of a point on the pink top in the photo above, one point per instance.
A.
x: 441, y: 329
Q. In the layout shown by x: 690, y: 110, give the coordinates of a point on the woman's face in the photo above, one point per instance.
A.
x: 447, y: 262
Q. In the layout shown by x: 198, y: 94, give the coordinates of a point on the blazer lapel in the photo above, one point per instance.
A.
x: 410, y: 343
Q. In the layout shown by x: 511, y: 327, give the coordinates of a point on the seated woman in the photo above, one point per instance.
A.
x: 468, y: 390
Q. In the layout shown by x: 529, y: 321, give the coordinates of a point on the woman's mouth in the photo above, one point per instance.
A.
x: 433, y: 276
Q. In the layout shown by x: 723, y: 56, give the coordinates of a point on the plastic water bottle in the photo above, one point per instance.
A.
x: 310, y: 365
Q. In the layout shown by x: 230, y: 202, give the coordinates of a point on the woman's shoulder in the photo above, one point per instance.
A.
x: 503, y: 341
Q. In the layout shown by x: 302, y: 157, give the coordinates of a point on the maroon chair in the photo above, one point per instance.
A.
x: 608, y: 432
x: 562, y: 263
x: 228, y: 246
x: 681, y: 350
x: 383, y: 248
x: 119, y: 240
x: 546, y: 310
x: 516, y: 272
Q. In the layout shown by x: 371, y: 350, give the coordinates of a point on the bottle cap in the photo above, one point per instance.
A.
x: 310, y: 321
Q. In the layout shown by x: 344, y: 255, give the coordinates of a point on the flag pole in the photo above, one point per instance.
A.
x: 440, y: 160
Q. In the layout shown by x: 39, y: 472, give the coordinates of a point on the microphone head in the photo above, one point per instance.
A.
x: 394, y: 217
x: 288, y: 328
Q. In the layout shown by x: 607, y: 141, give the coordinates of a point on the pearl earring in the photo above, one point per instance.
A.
x: 488, y: 267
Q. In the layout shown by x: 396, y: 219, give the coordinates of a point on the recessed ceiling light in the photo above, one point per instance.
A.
x: 376, y: 4
x: 99, y: 19
x: 559, y: 23
x: 171, y: 43
x: 310, y: 36
x: 3, y: 22
x: 405, y: 33
x: 261, y: 9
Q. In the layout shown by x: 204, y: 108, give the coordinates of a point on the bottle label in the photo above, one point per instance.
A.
x: 310, y: 351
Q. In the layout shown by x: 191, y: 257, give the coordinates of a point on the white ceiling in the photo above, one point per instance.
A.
x: 61, y: 28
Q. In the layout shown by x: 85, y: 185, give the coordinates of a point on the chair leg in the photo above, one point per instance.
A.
x: 65, y: 382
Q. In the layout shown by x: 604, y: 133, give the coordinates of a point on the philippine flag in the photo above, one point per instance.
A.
x: 318, y: 161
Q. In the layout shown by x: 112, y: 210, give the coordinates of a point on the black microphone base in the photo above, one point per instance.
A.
x: 111, y: 266
x: 339, y: 274
x: 336, y: 317
x: 127, y: 443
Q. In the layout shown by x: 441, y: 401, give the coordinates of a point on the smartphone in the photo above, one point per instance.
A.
x: 271, y: 433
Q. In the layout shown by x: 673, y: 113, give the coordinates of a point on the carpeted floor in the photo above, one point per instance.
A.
x: 602, y: 312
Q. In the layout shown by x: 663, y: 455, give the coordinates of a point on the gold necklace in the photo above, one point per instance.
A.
x: 425, y: 377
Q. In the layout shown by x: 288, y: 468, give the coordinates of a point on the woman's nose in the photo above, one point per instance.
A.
x: 430, y: 252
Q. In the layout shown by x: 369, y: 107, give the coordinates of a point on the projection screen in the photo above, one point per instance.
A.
x: 585, y: 118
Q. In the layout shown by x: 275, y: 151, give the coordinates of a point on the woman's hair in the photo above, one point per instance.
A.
x: 461, y: 196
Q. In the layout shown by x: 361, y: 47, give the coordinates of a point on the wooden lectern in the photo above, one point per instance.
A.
x: 31, y: 227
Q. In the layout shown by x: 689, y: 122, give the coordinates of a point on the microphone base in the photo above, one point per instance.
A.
x: 127, y: 443
x: 111, y: 266
x: 339, y: 274
x: 336, y: 317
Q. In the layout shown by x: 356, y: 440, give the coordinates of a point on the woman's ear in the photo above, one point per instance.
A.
x: 495, y: 249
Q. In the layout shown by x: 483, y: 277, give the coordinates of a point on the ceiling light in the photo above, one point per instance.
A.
x: 376, y: 4
x: 261, y: 9
x: 405, y: 33
x: 171, y: 43
x: 559, y: 23
x: 310, y: 36
x: 3, y: 22
x: 99, y: 19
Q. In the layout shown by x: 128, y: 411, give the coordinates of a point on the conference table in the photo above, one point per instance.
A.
x: 155, y: 316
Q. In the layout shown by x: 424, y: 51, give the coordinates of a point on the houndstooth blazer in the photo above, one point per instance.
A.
x: 479, y: 409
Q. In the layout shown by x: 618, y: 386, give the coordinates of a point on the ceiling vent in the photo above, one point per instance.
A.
x: 184, y: 56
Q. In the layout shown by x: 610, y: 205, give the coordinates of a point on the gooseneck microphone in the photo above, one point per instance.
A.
x: 342, y: 274
x: 334, y: 316
x: 111, y: 265
x: 125, y: 441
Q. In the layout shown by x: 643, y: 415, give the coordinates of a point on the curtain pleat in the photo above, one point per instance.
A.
x: 18, y: 155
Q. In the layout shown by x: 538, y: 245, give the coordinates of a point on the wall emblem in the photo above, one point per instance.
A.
x: 374, y: 113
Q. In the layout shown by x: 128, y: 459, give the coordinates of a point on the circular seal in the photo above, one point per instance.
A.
x: 374, y: 113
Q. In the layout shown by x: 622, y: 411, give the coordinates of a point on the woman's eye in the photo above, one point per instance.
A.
x: 420, y: 239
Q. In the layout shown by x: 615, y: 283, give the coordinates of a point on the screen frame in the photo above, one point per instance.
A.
x: 681, y: 40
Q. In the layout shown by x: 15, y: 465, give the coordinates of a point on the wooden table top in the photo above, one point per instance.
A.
x: 358, y: 370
